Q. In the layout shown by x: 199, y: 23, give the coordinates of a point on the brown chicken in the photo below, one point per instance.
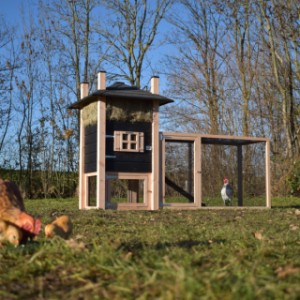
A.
x: 61, y: 226
x: 10, y: 233
x: 12, y: 209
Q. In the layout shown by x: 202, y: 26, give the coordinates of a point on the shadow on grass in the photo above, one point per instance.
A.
x: 186, y: 244
x: 285, y: 206
x: 28, y: 248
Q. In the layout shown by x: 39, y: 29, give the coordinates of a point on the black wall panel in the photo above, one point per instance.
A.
x: 128, y: 161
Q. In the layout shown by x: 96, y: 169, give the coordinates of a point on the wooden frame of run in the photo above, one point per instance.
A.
x: 182, y: 137
x: 199, y: 140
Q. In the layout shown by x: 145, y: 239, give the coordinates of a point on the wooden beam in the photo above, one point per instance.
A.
x: 179, y: 189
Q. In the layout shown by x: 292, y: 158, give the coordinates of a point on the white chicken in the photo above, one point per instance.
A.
x: 227, y: 192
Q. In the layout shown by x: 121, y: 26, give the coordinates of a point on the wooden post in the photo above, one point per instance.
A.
x: 268, y: 177
x: 162, y: 170
x: 240, y: 174
x: 101, y: 142
x: 154, y: 85
x: 84, y: 87
x: 197, y: 172
x: 155, y: 177
x: 101, y: 83
x: 190, y: 168
x: 84, y: 90
x: 81, y: 191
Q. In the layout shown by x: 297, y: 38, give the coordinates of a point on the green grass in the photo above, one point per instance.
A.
x: 217, y: 201
x: 166, y: 254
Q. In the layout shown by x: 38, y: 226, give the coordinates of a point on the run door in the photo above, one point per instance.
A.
x: 181, y: 170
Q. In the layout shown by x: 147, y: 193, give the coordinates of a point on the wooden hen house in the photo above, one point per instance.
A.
x: 119, y: 140
x: 121, y: 148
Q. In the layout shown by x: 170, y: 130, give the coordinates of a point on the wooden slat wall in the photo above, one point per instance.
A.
x: 128, y: 161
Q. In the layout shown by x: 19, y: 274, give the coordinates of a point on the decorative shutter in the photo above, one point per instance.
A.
x: 117, y: 140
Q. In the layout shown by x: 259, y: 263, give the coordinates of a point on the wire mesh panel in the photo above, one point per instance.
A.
x: 179, y: 172
x: 244, y: 166
x: 92, y: 191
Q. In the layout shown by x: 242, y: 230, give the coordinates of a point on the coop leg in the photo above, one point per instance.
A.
x: 240, y: 174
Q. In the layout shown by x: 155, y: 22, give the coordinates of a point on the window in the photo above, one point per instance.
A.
x: 127, y: 191
x: 129, y: 141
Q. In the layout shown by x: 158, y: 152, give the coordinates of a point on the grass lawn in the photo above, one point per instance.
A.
x: 166, y: 254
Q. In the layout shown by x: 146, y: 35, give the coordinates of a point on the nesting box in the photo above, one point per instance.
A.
x: 119, y: 146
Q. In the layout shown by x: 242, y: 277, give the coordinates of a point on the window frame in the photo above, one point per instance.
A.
x: 129, y: 141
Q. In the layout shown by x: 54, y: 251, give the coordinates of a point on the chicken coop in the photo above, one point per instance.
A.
x: 125, y: 162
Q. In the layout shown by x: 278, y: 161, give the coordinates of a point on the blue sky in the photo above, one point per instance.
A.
x: 11, y: 10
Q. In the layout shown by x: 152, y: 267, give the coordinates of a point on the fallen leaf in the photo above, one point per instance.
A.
x: 294, y: 227
x: 283, y: 272
x: 297, y: 212
x: 75, y: 245
x: 258, y: 235
x: 78, y: 237
x: 128, y: 255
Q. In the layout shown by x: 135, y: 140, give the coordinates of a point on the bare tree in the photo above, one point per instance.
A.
x: 68, y: 40
x: 26, y: 82
x: 71, y: 20
x: 277, y: 17
x: 241, y: 25
x: 130, y: 34
x: 196, y: 70
x: 7, y: 67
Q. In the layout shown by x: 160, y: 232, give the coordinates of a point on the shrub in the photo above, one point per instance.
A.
x: 294, y: 179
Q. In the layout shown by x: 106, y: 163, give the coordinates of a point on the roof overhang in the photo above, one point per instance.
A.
x: 210, y: 139
x: 133, y: 94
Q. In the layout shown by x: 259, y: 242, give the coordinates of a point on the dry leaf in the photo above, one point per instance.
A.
x: 128, y: 255
x: 283, y: 272
x: 294, y: 227
x: 258, y: 235
x: 297, y: 212
x: 75, y: 245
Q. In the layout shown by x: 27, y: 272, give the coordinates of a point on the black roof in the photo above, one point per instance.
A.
x: 120, y: 90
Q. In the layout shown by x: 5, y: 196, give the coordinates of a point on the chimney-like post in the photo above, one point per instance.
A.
x: 101, y: 80
x: 154, y: 85
x: 84, y: 90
